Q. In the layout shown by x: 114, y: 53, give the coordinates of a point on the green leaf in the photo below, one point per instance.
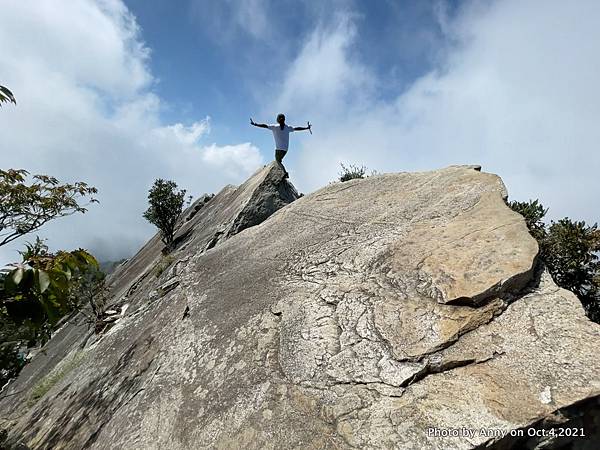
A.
x: 43, y: 280
x: 51, y: 311
x: 60, y: 283
x: 91, y: 260
x: 17, y: 275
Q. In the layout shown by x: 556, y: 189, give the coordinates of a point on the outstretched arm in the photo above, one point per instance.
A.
x: 260, y: 125
x: 307, y: 127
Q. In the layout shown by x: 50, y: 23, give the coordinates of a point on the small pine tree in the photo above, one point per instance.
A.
x: 166, y: 205
x: 570, y: 251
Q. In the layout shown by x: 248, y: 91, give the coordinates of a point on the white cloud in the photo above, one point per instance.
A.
x: 517, y: 91
x: 86, y: 111
x: 187, y: 135
x: 226, y: 18
x: 326, y: 76
x: 233, y: 159
x: 90, y: 43
x: 514, y: 90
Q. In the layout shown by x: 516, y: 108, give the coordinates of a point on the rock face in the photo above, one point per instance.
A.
x: 206, y: 223
x: 399, y: 311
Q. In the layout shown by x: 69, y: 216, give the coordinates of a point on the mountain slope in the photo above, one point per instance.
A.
x: 363, y: 315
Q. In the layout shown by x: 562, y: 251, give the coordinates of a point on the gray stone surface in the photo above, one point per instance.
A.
x: 204, y: 224
x: 359, y: 316
x: 137, y: 283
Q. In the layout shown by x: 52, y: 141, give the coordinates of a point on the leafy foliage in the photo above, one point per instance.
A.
x: 36, y: 293
x: 166, y: 205
x: 13, y: 337
x: 11, y: 332
x: 570, y: 252
x: 6, y: 96
x: 39, y: 291
x: 351, y: 172
x: 26, y: 207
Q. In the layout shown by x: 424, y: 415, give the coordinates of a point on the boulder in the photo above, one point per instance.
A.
x: 399, y: 311
x: 205, y: 223
x: 150, y: 274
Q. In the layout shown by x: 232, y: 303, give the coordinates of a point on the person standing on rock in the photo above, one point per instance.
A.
x: 281, y: 133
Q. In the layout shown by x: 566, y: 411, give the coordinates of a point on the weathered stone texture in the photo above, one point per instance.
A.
x: 358, y: 316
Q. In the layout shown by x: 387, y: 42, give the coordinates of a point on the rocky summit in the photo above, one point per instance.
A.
x: 404, y: 311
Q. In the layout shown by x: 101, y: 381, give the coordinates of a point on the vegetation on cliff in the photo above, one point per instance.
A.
x: 569, y: 250
x: 43, y: 287
x: 166, y: 206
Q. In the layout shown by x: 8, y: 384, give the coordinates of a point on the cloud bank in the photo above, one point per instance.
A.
x: 509, y: 85
x: 515, y: 89
x: 86, y: 111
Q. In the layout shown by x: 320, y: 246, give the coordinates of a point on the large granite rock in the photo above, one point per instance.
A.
x: 399, y: 311
x: 151, y: 273
x: 206, y: 223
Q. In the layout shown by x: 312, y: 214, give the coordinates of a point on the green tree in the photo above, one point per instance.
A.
x: 569, y: 250
x: 166, y: 206
x: 6, y: 96
x: 38, y: 292
x: 12, y: 338
x: 26, y: 207
x: 35, y: 293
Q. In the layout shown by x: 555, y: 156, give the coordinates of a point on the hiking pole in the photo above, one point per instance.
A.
x: 308, y: 125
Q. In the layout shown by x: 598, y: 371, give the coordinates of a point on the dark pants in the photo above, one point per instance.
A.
x: 279, y: 154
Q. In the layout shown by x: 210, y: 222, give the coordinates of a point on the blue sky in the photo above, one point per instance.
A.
x: 121, y: 92
x: 206, y: 62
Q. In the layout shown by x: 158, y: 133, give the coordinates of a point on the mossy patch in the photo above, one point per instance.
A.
x: 71, y: 362
x: 163, y: 265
